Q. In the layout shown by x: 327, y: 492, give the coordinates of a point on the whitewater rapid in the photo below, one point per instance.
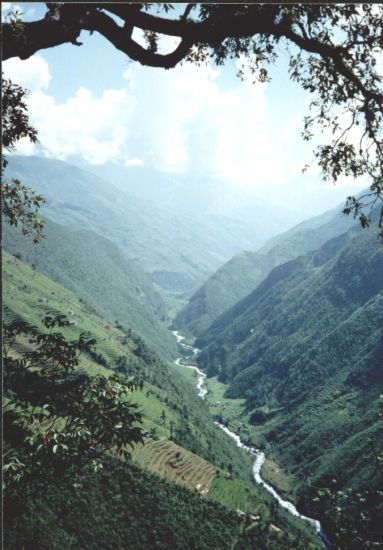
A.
x: 259, y: 456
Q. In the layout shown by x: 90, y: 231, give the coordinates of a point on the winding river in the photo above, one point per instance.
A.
x: 259, y: 456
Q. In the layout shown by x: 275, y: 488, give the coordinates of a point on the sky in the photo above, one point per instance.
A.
x: 92, y: 104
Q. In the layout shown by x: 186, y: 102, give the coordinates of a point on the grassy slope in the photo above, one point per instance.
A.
x: 30, y: 294
x: 305, y: 351
x: 98, y: 272
x: 241, y: 275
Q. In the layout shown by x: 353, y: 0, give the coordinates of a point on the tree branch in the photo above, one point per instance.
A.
x: 64, y: 25
x: 335, y: 53
x: 154, y: 23
x: 121, y: 39
x: 24, y: 39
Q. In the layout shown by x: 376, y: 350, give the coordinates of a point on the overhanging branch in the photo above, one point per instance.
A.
x: 122, y: 40
x: 64, y: 24
x: 327, y: 51
x: 24, y: 39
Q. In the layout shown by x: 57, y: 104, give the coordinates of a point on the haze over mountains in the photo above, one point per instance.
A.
x: 178, y: 234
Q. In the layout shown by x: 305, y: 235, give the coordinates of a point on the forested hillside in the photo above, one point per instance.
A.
x: 99, y: 273
x: 240, y: 276
x: 29, y: 295
x: 305, y: 351
x: 125, y: 507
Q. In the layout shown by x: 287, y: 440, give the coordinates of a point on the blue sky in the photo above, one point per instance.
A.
x: 92, y: 103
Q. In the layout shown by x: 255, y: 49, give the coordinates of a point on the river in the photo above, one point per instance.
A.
x: 201, y: 376
x: 259, y: 456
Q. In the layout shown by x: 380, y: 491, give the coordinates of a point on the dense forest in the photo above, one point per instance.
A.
x: 124, y: 507
x: 305, y: 352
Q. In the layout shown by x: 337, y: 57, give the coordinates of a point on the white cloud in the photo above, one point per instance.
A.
x: 95, y: 128
x: 167, y: 104
x: 172, y: 120
x: 5, y: 10
x: 237, y: 135
x: 32, y: 73
x: 134, y: 162
x: 165, y: 43
x: 188, y: 117
x: 8, y: 8
x: 26, y: 147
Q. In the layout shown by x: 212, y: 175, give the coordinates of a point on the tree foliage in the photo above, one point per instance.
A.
x: 352, y: 517
x: 123, y: 506
x: 19, y: 203
x: 14, y: 116
x: 58, y: 419
x: 333, y: 52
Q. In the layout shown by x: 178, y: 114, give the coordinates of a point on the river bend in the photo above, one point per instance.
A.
x: 259, y: 456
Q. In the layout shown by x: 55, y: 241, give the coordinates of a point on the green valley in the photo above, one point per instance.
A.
x: 192, y: 269
x: 182, y: 444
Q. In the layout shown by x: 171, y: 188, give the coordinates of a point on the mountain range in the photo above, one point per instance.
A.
x: 290, y: 332
x: 238, y: 277
x: 178, y: 246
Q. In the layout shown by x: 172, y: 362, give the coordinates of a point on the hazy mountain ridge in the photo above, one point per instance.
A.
x: 223, y: 289
x: 190, y: 192
x: 178, y: 247
x: 238, y: 277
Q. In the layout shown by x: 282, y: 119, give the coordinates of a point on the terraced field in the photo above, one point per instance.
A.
x: 169, y: 460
